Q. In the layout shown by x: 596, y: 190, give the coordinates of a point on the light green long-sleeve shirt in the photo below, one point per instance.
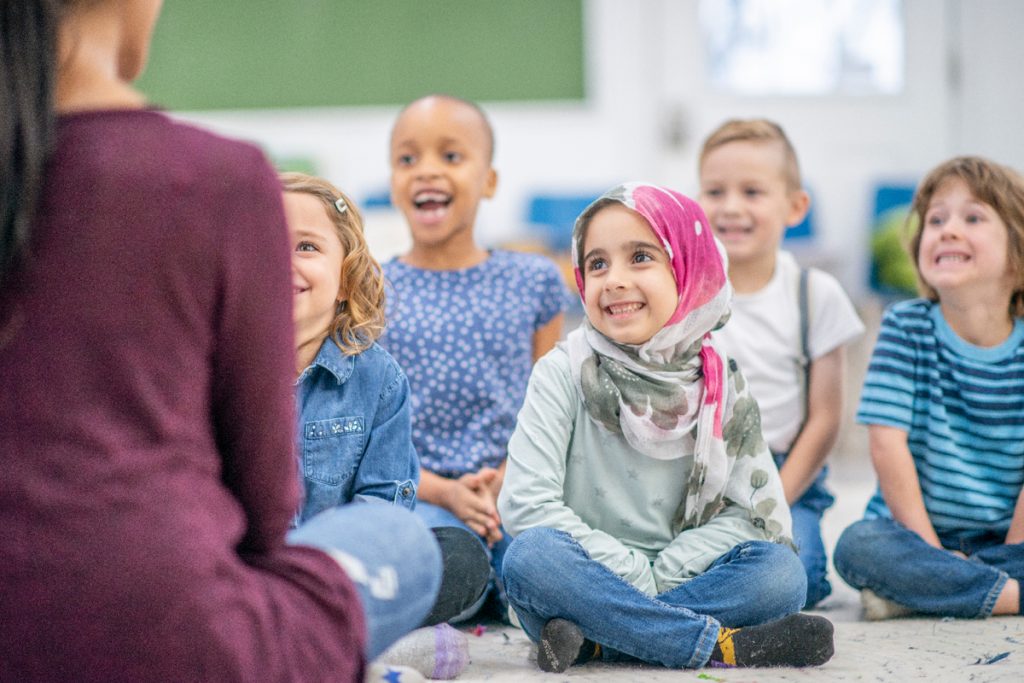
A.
x: 625, y: 508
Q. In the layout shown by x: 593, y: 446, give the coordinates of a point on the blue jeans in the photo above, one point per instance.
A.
x: 897, y: 564
x: 390, y: 556
x: 436, y: 516
x: 548, y: 574
x: 807, y: 514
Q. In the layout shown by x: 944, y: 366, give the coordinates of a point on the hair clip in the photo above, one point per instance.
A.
x: 340, y: 205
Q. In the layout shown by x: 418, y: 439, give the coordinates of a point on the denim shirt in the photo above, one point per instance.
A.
x: 354, y: 432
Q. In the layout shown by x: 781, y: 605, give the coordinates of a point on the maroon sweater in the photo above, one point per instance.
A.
x: 146, y: 414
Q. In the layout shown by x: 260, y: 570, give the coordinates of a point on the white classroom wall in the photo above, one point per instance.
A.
x: 647, y: 109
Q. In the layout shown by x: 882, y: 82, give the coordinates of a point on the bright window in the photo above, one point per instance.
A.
x: 803, y: 47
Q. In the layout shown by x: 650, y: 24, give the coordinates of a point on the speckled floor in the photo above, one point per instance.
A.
x: 896, y: 650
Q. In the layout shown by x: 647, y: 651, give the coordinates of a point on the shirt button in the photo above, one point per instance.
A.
x: 406, y: 491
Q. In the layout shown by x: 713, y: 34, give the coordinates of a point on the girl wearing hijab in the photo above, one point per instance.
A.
x: 648, y: 516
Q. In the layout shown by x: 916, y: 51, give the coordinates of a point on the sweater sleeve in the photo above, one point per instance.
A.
x: 253, y: 360
x: 693, y: 550
x: 389, y: 469
x: 533, y: 491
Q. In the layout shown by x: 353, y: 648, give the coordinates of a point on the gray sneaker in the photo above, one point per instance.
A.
x: 877, y: 608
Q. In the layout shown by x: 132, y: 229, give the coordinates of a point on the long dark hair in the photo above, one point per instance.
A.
x: 28, y: 47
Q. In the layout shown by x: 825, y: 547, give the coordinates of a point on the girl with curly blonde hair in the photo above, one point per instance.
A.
x: 358, y: 318
x: 354, y: 431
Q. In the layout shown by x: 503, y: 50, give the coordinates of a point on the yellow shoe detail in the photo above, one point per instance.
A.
x: 725, y: 645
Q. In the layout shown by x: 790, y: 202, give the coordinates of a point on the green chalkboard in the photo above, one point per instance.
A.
x: 243, y: 54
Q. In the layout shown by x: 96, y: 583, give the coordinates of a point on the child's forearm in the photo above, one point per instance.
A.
x: 1016, y: 532
x: 818, y: 435
x: 433, y: 488
x: 544, y: 339
x: 694, y: 550
x: 897, y: 477
x: 808, y: 456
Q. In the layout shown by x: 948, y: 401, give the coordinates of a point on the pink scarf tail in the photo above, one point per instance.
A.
x: 712, y: 364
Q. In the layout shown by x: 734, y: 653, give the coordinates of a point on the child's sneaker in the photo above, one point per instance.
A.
x: 437, y: 652
x: 877, y: 608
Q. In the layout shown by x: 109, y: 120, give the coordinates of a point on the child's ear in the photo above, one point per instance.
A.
x: 799, y: 203
x: 490, y: 183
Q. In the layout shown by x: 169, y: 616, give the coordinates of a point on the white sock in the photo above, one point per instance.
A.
x: 437, y: 652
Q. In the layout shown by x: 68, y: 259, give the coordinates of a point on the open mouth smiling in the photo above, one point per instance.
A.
x: 623, y: 308
x: 431, y: 200
x: 733, y: 230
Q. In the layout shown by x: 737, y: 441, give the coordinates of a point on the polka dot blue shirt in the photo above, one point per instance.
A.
x: 465, y: 340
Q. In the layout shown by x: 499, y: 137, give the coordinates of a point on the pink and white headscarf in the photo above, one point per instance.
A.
x: 661, y: 393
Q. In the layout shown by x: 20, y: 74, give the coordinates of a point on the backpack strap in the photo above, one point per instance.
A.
x: 805, y: 351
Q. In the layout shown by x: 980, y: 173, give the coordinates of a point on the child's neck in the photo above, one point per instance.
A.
x: 306, y: 348
x: 445, y: 257
x: 978, y: 322
x: 751, y: 276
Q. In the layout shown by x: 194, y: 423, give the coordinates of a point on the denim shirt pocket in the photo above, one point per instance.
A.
x: 331, y: 449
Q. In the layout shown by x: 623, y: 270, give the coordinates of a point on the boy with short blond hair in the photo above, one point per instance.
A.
x: 789, y: 325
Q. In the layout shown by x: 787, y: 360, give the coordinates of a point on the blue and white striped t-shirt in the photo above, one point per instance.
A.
x: 962, y: 407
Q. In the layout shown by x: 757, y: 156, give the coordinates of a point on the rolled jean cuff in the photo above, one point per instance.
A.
x: 990, y: 598
x: 705, y: 644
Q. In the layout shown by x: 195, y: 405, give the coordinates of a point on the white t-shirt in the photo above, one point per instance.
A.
x: 763, y: 335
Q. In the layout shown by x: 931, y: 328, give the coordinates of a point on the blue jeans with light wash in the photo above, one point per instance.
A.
x: 807, y: 514
x: 548, y: 574
x: 390, y: 556
x: 436, y: 516
x: 897, y: 564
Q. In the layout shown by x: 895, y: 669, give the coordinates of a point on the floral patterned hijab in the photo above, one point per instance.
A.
x: 671, y: 395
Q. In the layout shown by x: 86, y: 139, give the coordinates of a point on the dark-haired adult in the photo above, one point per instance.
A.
x: 146, y: 415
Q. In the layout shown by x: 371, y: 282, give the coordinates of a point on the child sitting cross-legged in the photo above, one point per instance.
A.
x: 648, y: 518
x: 466, y: 323
x: 789, y: 326
x: 943, y: 400
x: 354, y: 433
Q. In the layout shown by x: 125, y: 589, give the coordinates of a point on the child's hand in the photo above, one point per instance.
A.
x: 470, y: 499
x: 487, y: 481
x: 493, y: 479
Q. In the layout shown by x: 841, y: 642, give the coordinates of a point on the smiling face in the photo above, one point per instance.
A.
x: 629, y: 290
x: 963, y: 245
x: 317, y: 255
x: 441, y: 169
x: 748, y: 200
